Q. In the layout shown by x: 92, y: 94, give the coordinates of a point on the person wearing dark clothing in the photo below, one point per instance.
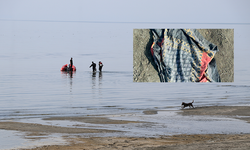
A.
x: 100, y: 66
x: 93, y: 65
x: 71, y: 64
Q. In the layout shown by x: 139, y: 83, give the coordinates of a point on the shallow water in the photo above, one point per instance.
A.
x: 32, y: 85
x: 85, y: 93
x: 16, y: 140
x: 50, y: 92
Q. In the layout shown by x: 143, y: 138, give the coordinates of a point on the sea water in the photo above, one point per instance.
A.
x: 56, y: 93
x: 32, y: 85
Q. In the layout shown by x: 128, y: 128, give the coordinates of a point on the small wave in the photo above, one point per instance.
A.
x: 115, y: 72
x: 233, y: 86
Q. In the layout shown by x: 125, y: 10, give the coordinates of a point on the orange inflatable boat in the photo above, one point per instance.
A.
x: 67, y: 68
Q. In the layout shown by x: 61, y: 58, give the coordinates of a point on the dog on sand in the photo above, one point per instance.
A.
x: 183, y: 105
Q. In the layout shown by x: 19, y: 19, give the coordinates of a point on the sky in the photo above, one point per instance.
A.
x: 194, y: 11
x: 103, y: 30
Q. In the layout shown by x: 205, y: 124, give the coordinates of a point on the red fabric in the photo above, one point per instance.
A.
x: 205, y: 59
x: 152, y: 49
x: 160, y: 45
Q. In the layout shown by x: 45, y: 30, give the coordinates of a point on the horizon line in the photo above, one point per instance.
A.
x: 126, y: 22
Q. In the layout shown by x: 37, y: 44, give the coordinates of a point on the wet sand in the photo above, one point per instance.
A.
x: 188, y: 142
x: 237, y: 112
x: 183, y: 141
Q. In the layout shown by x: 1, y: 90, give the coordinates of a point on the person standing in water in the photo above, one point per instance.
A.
x: 100, y: 66
x: 71, y: 64
x: 93, y: 65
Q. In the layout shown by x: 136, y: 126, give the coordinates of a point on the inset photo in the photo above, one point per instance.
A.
x: 183, y: 55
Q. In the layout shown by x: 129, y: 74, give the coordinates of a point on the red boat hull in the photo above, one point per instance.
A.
x: 66, y: 68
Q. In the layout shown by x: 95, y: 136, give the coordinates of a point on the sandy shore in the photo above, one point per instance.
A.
x: 183, y: 141
x: 189, y: 142
x: 238, y: 112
